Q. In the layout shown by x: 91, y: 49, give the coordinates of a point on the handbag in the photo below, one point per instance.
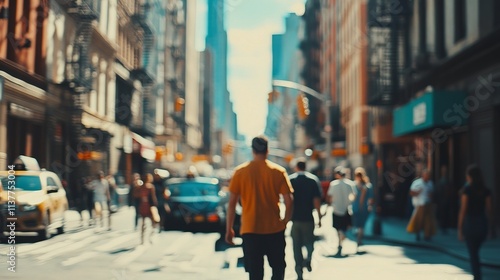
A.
x: 154, y: 214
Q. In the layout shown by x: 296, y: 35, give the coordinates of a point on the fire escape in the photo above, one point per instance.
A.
x: 178, y: 58
x: 79, y: 70
x: 142, y: 67
x: 386, y: 41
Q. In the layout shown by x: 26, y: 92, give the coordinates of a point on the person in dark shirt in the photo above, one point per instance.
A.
x: 473, y: 218
x: 307, y: 197
x: 160, y: 197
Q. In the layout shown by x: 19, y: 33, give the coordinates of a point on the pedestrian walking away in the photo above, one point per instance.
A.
x: 362, y: 204
x: 102, y: 198
x: 113, y: 202
x: 159, y: 186
x: 307, y: 197
x: 145, y: 193
x: 475, y: 208
x: 423, y: 217
x: 134, y: 201
x: 260, y: 183
x: 340, y: 196
x: 89, y: 197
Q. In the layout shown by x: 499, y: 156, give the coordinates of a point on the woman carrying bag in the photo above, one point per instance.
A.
x: 146, y: 196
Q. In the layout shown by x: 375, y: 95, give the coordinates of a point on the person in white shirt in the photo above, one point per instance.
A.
x: 340, y: 196
x: 423, y: 214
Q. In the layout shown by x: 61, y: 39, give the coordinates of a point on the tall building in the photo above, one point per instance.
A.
x: 173, y: 100
x: 449, y: 104
x: 283, y: 124
x: 387, y: 28
x: 330, y: 79
x: 80, y: 66
x: 207, y: 88
x: 353, y: 75
x: 225, y: 127
x: 216, y: 44
x: 311, y: 71
x: 194, y: 99
x: 80, y: 85
x: 30, y: 115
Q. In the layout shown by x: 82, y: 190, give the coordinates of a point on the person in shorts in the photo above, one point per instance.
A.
x: 340, y: 196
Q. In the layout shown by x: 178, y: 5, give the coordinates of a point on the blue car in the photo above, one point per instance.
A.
x: 195, y: 204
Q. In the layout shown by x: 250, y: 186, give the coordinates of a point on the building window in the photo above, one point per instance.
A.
x: 496, y: 12
x: 460, y: 20
x: 439, y: 18
x: 422, y: 26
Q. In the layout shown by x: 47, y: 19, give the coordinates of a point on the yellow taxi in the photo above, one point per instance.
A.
x: 32, y: 199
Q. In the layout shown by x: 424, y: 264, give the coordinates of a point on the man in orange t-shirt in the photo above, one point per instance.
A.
x: 259, y: 184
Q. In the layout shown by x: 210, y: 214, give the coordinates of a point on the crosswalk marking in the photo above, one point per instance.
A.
x: 67, y: 249
x: 179, y: 242
x: 83, y: 257
x: 115, y: 242
x: 172, y: 250
x: 82, y: 234
x: 45, y: 248
x: 204, y: 247
x: 131, y: 256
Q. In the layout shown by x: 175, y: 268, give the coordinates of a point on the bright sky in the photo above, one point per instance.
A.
x: 250, y: 25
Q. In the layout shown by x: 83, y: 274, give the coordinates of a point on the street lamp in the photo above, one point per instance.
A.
x: 325, y: 101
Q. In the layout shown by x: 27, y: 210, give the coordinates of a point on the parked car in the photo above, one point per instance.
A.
x: 196, y: 203
x: 40, y: 199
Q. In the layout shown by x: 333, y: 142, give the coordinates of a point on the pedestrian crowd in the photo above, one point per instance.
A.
x: 260, y: 185
x: 147, y: 195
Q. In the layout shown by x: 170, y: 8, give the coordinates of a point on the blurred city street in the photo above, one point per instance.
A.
x: 390, y: 108
x: 93, y: 253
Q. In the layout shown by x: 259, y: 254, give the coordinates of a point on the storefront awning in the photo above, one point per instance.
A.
x: 144, y: 146
x: 433, y: 109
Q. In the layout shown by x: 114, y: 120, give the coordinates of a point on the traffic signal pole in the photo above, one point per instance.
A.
x: 325, y: 101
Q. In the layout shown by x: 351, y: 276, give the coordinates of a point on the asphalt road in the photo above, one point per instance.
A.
x: 85, y: 252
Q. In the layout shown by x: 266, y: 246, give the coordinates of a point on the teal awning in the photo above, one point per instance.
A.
x: 433, y: 109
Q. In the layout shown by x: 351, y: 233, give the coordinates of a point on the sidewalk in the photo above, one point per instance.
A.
x: 394, y: 231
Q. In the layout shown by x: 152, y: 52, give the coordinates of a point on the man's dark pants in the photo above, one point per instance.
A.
x: 302, y: 235
x: 256, y: 246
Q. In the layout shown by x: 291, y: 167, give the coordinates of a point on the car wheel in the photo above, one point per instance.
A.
x: 60, y: 230
x: 170, y: 223
x: 45, y: 234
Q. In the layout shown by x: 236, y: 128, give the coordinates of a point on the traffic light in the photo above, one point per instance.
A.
x: 227, y: 149
x: 302, y: 106
x: 179, y: 104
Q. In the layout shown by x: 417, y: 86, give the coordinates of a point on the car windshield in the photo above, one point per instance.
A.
x: 193, y: 189
x: 26, y: 183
